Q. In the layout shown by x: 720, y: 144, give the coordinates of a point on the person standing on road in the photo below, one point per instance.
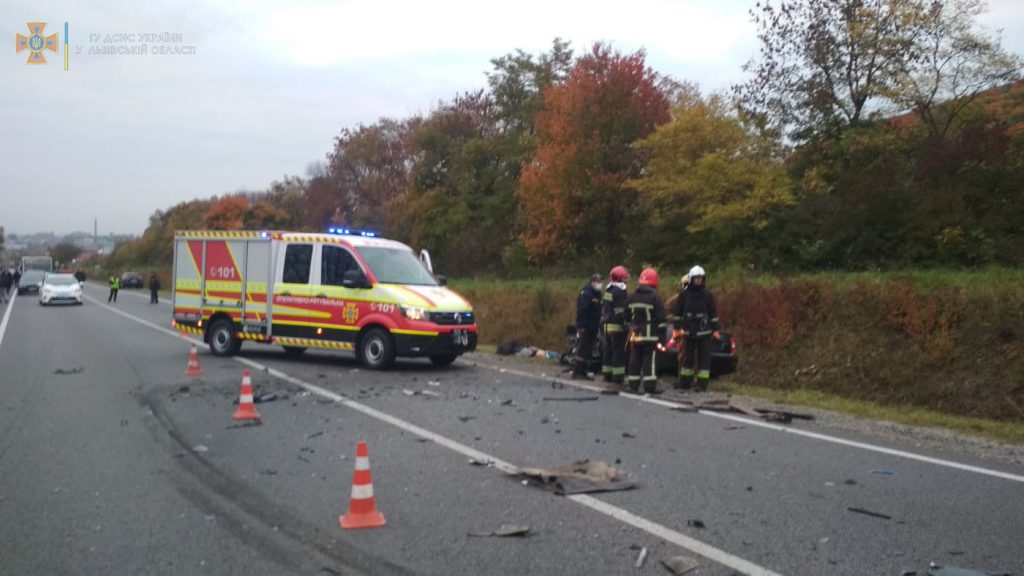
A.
x: 696, y: 322
x: 115, y: 285
x: 6, y: 278
x: 80, y: 276
x: 645, y: 315
x: 588, y: 322
x: 613, y: 321
x: 17, y: 279
x: 154, y: 288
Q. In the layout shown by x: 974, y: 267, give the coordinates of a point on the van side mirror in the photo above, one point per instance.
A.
x: 355, y: 279
x: 442, y: 279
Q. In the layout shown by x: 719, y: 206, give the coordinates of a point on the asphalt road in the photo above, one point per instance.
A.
x: 113, y: 462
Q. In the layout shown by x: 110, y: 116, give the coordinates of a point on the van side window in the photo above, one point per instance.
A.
x: 334, y: 262
x: 297, y: 258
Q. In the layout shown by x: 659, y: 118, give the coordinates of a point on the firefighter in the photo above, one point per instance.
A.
x: 696, y: 323
x: 613, y: 316
x: 588, y: 322
x: 645, y: 315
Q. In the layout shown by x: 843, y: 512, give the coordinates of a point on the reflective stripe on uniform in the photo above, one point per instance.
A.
x: 704, y: 375
x: 613, y: 328
x: 686, y: 372
x: 618, y: 371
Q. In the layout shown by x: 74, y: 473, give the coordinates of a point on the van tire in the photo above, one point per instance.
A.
x: 377, y: 349
x: 442, y: 360
x: 222, y: 338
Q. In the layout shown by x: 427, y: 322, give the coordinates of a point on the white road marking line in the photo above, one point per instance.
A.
x: 7, y: 316
x: 796, y: 431
x: 657, y: 530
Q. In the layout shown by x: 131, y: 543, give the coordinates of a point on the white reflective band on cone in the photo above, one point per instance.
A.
x: 362, y: 463
x: 245, y: 399
x: 362, y: 492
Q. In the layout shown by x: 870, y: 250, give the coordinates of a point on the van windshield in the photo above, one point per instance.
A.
x: 396, y: 266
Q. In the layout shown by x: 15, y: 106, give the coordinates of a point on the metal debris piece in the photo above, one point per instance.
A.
x: 64, y: 372
x: 486, y: 462
x: 570, y: 398
x: 200, y: 448
x: 315, y: 434
x: 628, y: 435
x: 433, y: 383
x: 694, y: 523
x: 579, y: 477
x: 504, y: 531
x: 408, y: 392
x: 466, y: 418
x: 870, y: 513
x: 268, y: 397
x: 680, y: 565
x: 641, y: 558
x: 430, y: 393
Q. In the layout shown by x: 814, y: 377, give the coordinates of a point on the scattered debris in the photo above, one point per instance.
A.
x: 486, y: 462
x: 870, y: 513
x: 408, y: 392
x: 430, y: 393
x: 696, y: 524
x: 883, y: 472
x: 423, y: 440
x: 735, y: 427
x: 680, y: 565
x: 64, y: 372
x: 734, y: 406
x: 268, y: 397
x: 466, y: 418
x: 628, y: 435
x: 508, y: 402
x: 315, y: 434
x: 200, y: 448
x: 184, y: 388
x: 579, y: 477
x: 936, y: 570
x: 570, y: 398
x: 641, y: 558
x: 504, y: 531
x: 850, y: 482
x: 268, y: 472
x: 434, y: 383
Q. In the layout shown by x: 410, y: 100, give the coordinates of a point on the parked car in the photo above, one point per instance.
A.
x: 30, y: 282
x: 131, y: 280
x: 60, y: 289
x: 724, y: 358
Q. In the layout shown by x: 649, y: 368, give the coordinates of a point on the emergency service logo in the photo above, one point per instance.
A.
x: 350, y: 313
x: 36, y: 43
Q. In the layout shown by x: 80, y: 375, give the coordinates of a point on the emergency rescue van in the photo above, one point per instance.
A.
x: 345, y: 290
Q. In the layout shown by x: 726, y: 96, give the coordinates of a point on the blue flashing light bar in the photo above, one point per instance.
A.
x: 351, y: 232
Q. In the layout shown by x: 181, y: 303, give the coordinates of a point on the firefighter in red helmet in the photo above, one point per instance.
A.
x: 645, y: 315
x: 613, y: 322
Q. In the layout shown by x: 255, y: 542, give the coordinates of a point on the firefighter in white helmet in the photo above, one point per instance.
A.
x: 696, y: 323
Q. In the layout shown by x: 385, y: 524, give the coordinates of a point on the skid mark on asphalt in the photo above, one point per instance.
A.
x: 659, y: 531
x: 777, y: 428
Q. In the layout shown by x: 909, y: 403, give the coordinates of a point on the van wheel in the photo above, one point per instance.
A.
x: 443, y: 359
x: 376, y: 350
x: 223, y: 341
x: 294, y: 350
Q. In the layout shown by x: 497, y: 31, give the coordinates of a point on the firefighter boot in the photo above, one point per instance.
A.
x: 702, y: 381
x: 685, y: 381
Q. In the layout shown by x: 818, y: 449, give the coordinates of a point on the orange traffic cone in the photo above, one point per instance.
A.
x: 193, y: 363
x: 362, y: 509
x: 246, y: 408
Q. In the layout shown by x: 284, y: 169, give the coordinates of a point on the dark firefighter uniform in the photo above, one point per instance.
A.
x: 697, y: 316
x: 645, y: 316
x: 613, y: 318
x: 588, y: 323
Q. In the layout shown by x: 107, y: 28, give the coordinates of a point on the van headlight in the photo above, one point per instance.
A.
x: 415, y: 313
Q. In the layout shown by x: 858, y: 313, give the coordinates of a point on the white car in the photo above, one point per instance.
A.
x: 60, y: 288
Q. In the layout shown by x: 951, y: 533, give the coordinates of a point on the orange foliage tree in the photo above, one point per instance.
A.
x: 228, y: 213
x: 572, y: 191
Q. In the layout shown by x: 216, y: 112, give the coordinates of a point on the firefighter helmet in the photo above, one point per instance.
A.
x: 619, y: 274
x: 696, y: 271
x: 649, y: 277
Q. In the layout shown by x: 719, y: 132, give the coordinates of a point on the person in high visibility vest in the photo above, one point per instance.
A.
x: 613, y: 320
x: 645, y: 315
x: 115, y: 285
x: 696, y: 321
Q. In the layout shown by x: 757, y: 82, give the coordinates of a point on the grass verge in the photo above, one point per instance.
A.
x: 1001, y: 431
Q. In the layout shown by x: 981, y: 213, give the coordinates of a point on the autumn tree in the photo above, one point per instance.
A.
x: 955, y: 61
x: 825, y: 64
x: 64, y: 252
x: 710, y: 182
x: 228, y: 213
x: 572, y: 191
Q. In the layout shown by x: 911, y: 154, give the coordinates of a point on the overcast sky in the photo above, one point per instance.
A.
x: 270, y: 84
